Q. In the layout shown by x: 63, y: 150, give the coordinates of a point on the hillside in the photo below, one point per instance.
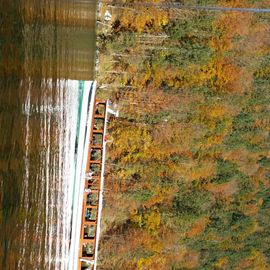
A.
x: 188, y: 171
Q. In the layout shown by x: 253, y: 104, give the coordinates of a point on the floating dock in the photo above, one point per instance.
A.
x: 89, y: 181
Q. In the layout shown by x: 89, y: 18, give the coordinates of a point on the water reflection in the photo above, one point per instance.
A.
x: 41, y: 42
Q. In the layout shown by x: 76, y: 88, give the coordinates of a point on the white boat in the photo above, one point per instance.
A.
x: 83, y: 138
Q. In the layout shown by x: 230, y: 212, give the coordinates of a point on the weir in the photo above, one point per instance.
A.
x: 89, y: 181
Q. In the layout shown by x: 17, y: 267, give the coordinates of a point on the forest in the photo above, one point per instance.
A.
x: 188, y: 168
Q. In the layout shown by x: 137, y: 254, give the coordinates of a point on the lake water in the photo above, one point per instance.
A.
x: 43, y: 43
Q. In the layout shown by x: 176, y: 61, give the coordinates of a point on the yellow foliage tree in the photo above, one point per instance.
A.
x: 197, y: 227
x: 257, y: 261
x: 143, y: 18
x: 131, y: 142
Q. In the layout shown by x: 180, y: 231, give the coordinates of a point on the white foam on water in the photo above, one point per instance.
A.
x: 24, y: 202
x: 67, y: 136
x: 55, y: 178
x: 68, y: 170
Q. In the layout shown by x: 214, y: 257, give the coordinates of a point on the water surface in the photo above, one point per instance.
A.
x: 43, y: 43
